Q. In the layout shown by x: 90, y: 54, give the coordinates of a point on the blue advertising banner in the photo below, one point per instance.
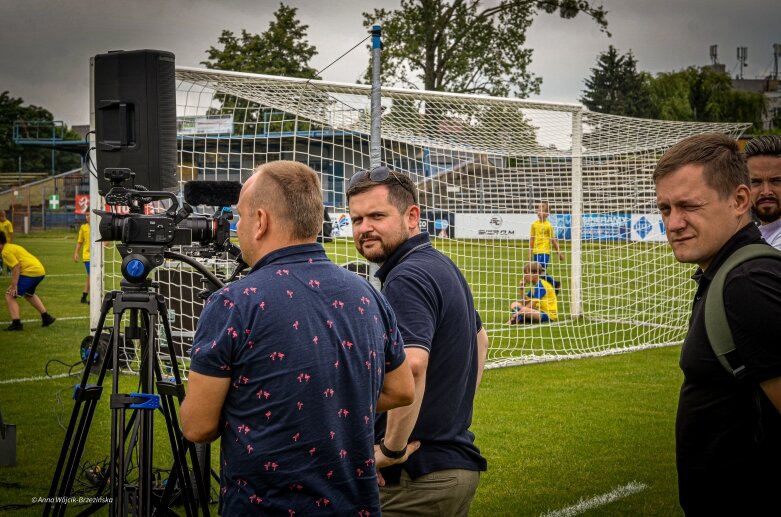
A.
x: 606, y: 227
x: 562, y: 223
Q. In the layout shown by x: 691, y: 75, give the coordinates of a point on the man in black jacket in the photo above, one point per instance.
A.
x: 728, y: 430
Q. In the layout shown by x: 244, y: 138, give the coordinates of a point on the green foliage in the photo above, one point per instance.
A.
x: 281, y: 50
x: 704, y: 95
x: 34, y: 159
x: 694, y: 94
x: 617, y: 88
x: 467, y: 46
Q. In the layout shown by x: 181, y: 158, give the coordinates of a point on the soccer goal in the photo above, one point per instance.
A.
x: 481, y: 164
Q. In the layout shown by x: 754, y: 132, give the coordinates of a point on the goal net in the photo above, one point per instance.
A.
x: 482, y: 165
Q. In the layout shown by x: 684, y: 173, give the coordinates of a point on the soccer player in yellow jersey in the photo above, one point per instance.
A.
x: 6, y: 227
x: 26, y: 273
x: 542, y: 236
x: 539, y: 304
x: 82, y: 243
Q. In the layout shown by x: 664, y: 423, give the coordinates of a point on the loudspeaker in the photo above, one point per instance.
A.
x: 135, y: 116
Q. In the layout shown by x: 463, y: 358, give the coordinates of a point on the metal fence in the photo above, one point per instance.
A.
x: 32, y: 206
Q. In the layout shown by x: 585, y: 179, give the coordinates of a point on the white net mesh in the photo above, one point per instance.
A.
x: 482, y: 165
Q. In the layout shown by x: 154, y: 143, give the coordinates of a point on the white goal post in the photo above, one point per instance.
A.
x: 481, y: 164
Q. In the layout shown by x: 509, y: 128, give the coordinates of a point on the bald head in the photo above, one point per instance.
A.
x: 280, y: 205
x: 291, y: 191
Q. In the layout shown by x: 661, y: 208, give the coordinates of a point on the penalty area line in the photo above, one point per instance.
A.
x: 32, y: 379
x: 584, y: 505
x: 59, y: 318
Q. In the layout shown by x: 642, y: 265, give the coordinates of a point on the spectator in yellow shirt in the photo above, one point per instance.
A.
x: 82, y: 243
x: 6, y: 227
x: 26, y: 273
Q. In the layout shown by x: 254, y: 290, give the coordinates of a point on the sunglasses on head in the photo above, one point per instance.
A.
x: 377, y: 174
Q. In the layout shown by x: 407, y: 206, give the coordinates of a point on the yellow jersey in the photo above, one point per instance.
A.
x: 542, y: 232
x: 83, y: 239
x: 8, y: 229
x: 545, y: 295
x: 14, y: 254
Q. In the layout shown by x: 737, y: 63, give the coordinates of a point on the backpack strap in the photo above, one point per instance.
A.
x: 716, y: 324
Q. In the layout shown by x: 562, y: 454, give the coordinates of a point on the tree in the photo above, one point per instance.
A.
x: 617, y: 88
x: 281, y: 50
x: 12, y: 110
x: 704, y: 95
x: 466, y: 46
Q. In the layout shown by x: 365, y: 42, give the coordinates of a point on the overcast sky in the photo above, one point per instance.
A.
x: 45, y: 45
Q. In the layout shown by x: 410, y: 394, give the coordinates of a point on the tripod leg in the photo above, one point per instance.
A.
x: 86, y: 397
x: 117, y: 465
x: 179, y: 446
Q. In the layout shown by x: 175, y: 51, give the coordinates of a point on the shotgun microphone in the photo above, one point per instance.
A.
x: 212, y: 193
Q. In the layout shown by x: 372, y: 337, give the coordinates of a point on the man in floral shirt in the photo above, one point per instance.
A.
x: 291, y: 363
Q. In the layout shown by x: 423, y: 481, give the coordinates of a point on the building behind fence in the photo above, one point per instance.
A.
x: 29, y: 206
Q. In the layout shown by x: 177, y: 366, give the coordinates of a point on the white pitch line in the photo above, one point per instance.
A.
x: 33, y: 379
x: 59, y: 318
x: 588, y: 504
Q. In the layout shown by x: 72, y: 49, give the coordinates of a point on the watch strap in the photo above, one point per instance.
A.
x: 392, y: 454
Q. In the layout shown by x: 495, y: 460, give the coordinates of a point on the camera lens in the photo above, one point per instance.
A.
x: 110, y: 226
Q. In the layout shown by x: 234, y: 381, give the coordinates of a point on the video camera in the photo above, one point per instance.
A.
x: 145, y: 237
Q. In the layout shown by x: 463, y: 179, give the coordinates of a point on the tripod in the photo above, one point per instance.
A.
x: 132, y: 414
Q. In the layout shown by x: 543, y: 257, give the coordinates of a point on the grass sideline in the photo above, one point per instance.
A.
x: 554, y: 434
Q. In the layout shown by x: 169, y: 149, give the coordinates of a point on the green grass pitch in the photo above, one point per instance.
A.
x: 554, y: 434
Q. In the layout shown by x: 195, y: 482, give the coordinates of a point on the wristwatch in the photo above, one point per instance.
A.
x: 394, y: 455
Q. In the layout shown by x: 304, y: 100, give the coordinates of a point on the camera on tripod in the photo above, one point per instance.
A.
x: 145, y: 237
x: 176, y: 226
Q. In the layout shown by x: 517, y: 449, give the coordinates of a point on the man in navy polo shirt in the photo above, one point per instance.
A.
x: 445, y: 344
x: 291, y: 363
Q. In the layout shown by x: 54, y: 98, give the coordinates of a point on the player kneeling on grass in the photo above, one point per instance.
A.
x: 539, y: 304
x: 26, y: 273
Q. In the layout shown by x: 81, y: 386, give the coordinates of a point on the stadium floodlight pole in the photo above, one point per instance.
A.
x: 576, y: 299
x: 376, y: 99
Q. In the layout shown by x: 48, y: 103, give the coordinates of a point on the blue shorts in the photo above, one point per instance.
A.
x: 544, y: 318
x: 86, y: 265
x: 27, y: 285
x: 542, y: 258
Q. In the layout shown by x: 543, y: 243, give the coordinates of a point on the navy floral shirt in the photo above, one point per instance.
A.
x: 306, y: 345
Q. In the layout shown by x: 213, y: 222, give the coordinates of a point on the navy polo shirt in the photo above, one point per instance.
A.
x: 436, y: 312
x: 305, y: 344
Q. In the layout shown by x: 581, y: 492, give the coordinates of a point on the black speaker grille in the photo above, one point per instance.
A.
x: 135, y: 101
x: 166, y: 72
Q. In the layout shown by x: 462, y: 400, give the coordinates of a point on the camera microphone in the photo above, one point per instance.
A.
x: 212, y: 193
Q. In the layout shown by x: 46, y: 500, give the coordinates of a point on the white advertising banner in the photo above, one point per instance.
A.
x: 214, y: 125
x: 492, y: 226
x: 648, y: 228
x: 342, y: 226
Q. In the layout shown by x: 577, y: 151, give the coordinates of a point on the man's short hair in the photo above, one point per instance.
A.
x: 402, y: 192
x: 300, y: 199
x: 723, y: 166
x: 767, y: 145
